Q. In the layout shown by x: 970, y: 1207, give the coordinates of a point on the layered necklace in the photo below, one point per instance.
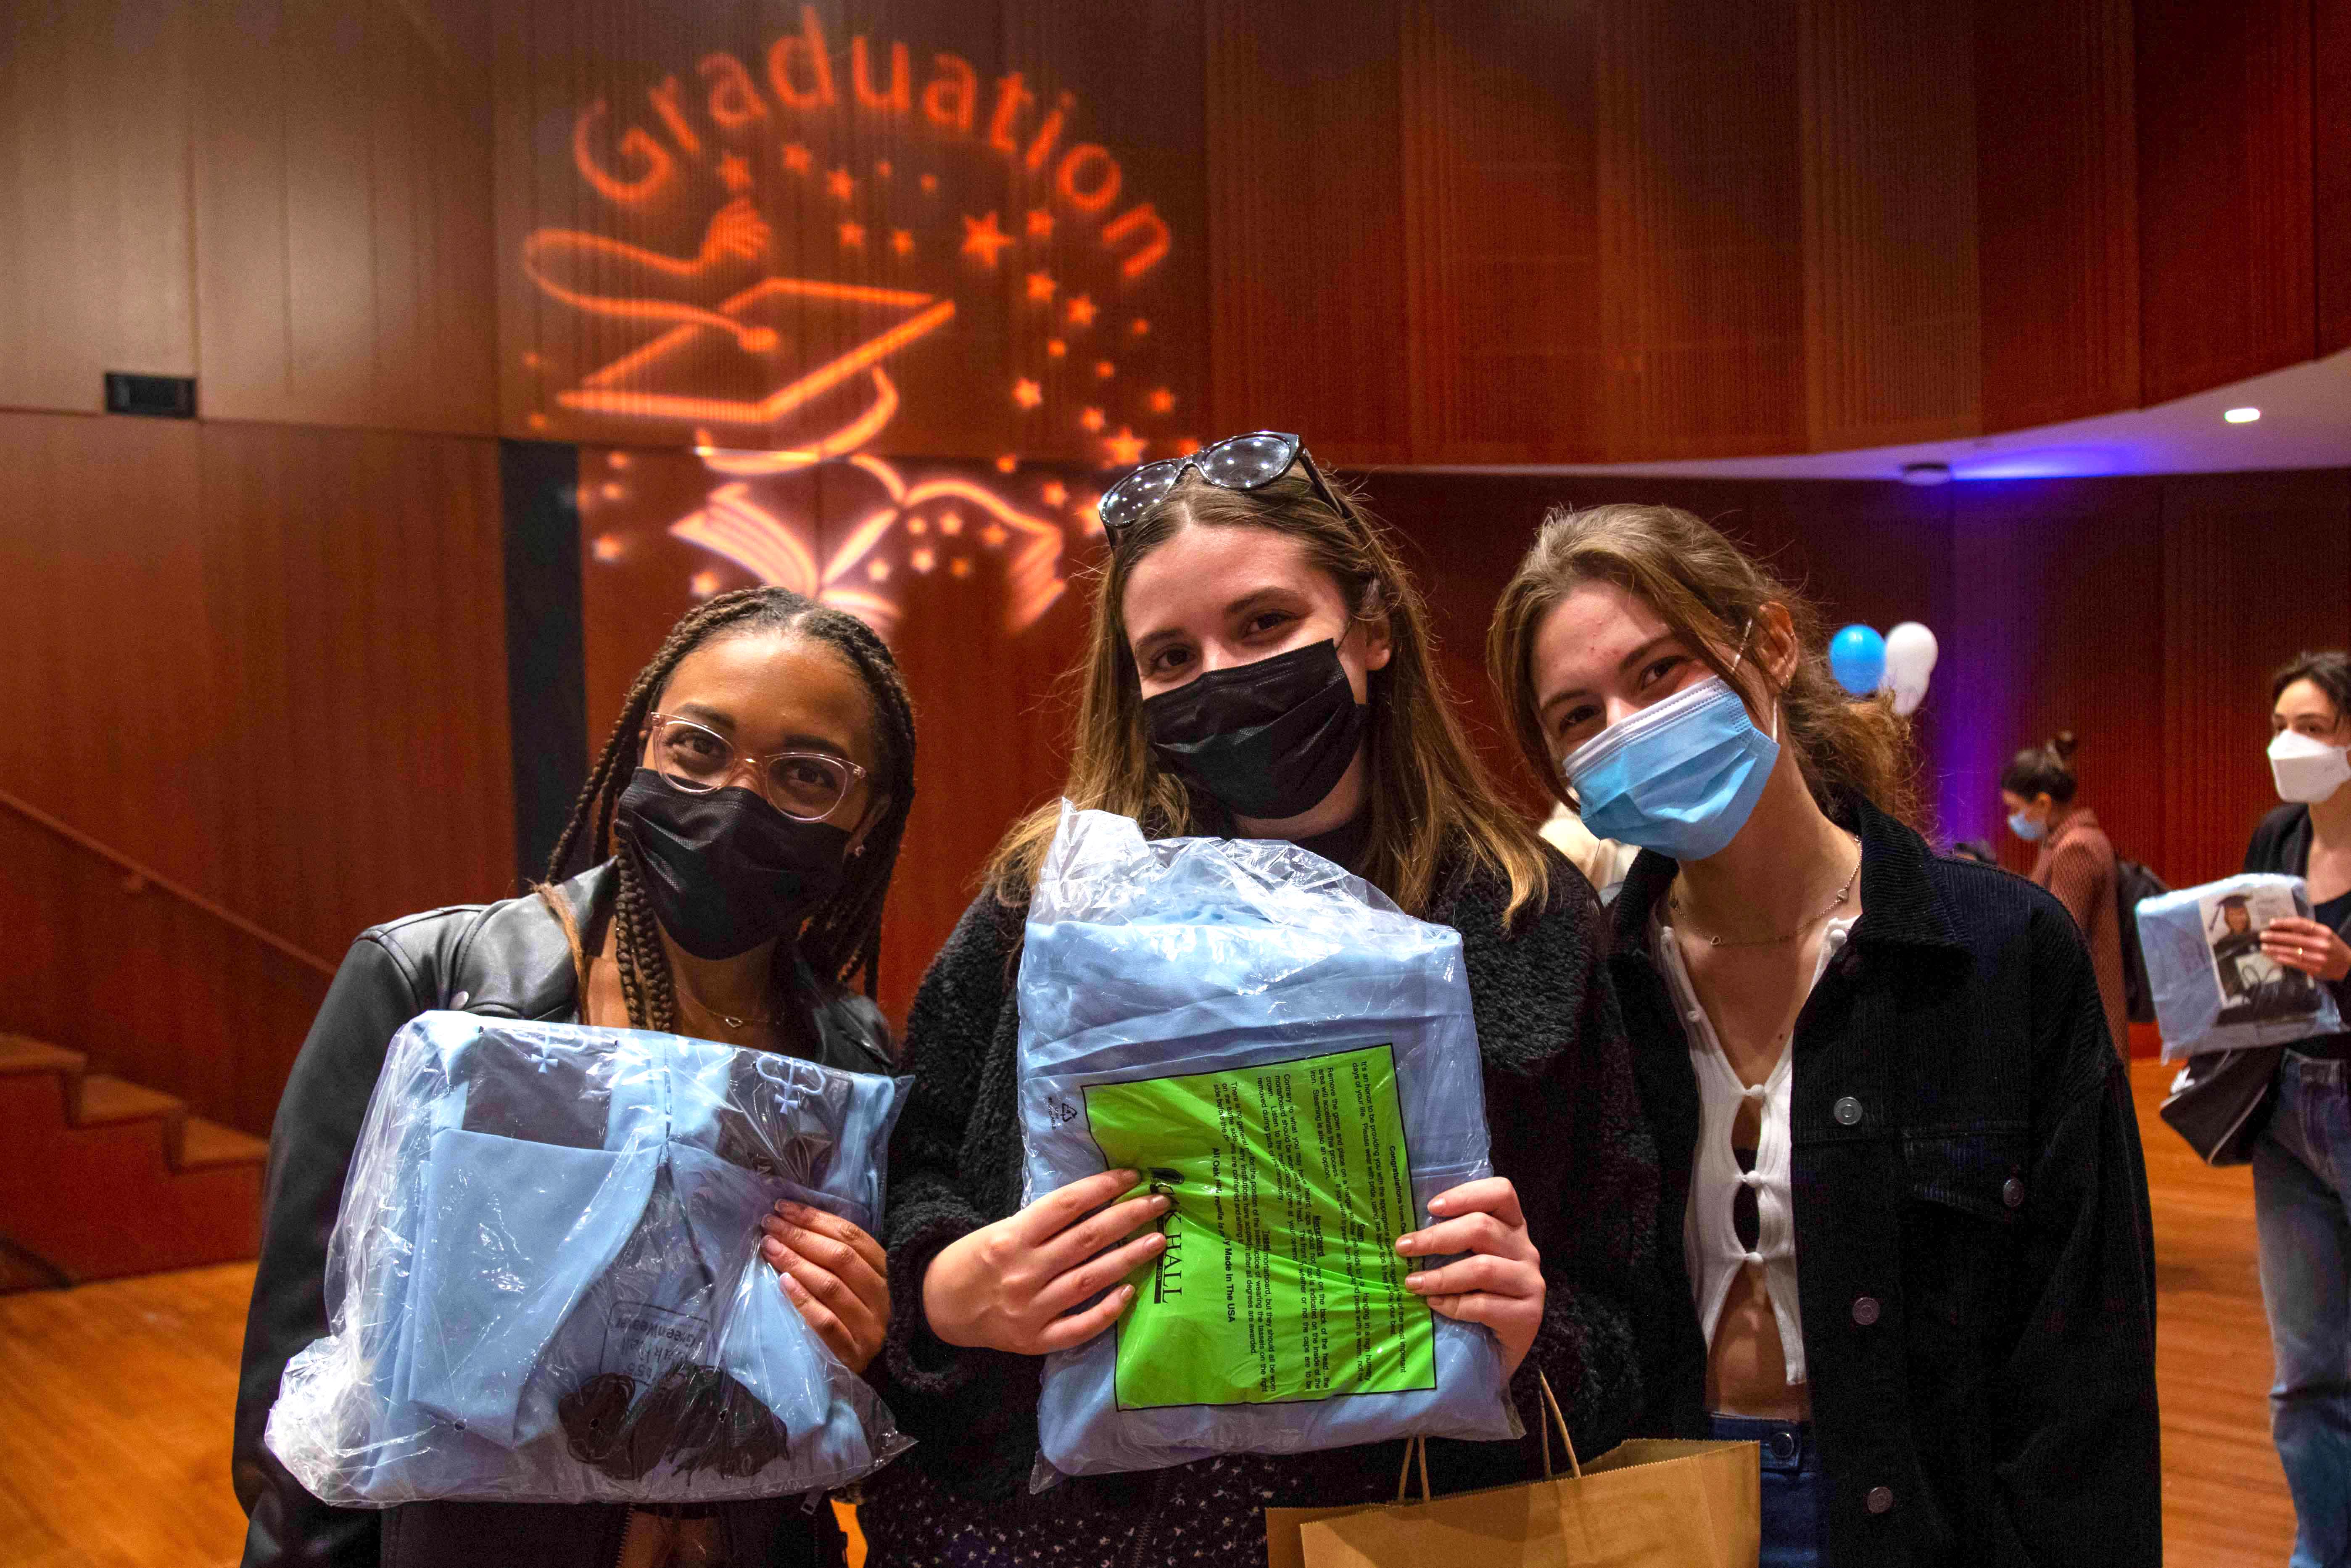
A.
x: 1842, y: 896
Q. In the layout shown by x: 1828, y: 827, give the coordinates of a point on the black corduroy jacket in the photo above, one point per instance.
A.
x: 1974, y: 1255
x: 1565, y: 1129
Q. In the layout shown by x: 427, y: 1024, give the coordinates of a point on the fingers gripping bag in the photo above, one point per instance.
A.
x: 1290, y: 1059
x: 544, y: 1282
x: 2213, y: 987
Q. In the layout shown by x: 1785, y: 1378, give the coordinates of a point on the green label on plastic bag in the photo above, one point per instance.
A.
x: 1281, y: 1280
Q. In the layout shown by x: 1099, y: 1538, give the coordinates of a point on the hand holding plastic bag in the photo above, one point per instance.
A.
x: 1291, y: 1062
x: 544, y: 1282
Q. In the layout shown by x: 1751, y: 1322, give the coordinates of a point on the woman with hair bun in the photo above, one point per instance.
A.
x: 2076, y: 861
x: 1916, y: 1264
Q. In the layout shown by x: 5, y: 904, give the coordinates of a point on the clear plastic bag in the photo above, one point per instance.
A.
x: 544, y: 1282
x: 2213, y: 987
x: 1291, y: 1058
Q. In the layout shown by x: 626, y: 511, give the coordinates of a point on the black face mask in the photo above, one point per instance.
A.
x: 725, y: 871
x: 1269, y: 740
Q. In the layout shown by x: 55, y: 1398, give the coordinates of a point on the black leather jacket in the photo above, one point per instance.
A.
x: 1975, y: 1262
x: 507, y: 959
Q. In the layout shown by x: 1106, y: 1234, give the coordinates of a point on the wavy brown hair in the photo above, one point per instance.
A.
x: 1434, y: 812
x: 1709, y: 590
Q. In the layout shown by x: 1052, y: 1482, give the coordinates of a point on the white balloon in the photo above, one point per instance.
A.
x: 1910, y: 655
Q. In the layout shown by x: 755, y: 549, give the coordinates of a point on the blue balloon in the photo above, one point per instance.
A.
x: 1857, y: 659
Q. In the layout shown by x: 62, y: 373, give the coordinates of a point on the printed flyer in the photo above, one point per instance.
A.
x: 1281, y: 1280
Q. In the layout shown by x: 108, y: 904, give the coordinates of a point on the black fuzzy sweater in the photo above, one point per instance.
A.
x: 1565, y: 1128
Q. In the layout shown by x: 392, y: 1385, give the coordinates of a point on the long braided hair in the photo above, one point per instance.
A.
x: 843, y: 939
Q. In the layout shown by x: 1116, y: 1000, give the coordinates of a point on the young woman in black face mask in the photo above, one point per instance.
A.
x: 741, y: 826
x: 1259, y: 666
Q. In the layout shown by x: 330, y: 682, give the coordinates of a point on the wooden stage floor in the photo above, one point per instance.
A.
x: 115, y: 1399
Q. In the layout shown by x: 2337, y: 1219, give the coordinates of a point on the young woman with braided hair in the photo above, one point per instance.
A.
x: 739, y: 829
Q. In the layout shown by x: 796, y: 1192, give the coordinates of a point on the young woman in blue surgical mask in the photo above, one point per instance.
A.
x: 1898, y: 1152
x: 2301, y: 1164
x: 1259, y: 666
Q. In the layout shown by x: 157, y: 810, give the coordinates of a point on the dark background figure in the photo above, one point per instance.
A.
x: 2075, y: 861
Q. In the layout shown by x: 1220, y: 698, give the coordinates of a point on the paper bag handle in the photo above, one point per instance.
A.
x: 1551, y: 1407
x: 1416, y: 1446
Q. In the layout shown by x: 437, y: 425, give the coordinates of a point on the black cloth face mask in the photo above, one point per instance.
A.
x: 725, y: 871
x: 1269, y: 740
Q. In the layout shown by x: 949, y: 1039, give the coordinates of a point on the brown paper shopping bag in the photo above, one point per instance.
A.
x: 1646, y: 1503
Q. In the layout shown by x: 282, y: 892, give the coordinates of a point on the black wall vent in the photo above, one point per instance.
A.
x: 166, y: 397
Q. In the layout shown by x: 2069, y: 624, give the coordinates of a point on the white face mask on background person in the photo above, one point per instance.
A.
x: 2307, y: 769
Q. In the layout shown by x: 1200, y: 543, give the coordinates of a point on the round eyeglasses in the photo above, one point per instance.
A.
x: 806, y: 786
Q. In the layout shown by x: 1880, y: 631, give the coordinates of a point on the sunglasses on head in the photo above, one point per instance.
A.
x: 1247, y: 462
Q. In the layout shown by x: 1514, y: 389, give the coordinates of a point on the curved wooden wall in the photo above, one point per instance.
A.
x: 1462, y: 233
x: 1631, y: 230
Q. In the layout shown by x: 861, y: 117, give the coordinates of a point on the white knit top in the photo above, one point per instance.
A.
x: 1711, y: 1246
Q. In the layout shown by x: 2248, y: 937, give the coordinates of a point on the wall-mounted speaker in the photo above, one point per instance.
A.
x: 163, y: 397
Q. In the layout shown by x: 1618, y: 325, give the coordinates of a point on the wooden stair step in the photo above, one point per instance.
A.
x: 106, y: 1100
x: 204, y: 1144
x: 22, y: 1054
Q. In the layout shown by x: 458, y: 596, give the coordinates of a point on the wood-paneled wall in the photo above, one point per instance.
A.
x: 96, y: 263
x: 2057, y: 209
x: 287, y: 198
x: 1306, y: 255
x: 1799, y: 225
x: 1476, y: 232
x: 2330, y: 116
x: 342, y: 216
x: 2226, y: 201
x: 268, y: 662
x: 1892, y: 301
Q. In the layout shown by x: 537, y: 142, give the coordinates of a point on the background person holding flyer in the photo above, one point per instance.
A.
x: 2302, y: 1163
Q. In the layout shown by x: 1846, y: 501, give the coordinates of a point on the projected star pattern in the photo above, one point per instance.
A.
x: 772, y: 343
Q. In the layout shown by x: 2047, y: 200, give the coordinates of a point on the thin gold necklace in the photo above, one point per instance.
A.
x: 1835, y: 903
x: 734, y: 1024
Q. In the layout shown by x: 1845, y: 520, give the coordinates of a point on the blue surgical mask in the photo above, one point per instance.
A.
x: 1679, y: 776
x: 2025, y: 828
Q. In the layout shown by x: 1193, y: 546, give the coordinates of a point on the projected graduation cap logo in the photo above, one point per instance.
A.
x: 773, y: 242
x: 728, y: 355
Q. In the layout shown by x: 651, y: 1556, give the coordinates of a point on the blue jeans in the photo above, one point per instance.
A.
x: 2301, y: 1168
x: 1792, y: 1485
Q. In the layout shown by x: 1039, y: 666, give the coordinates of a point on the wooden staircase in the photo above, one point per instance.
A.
x: 100, y: 1178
